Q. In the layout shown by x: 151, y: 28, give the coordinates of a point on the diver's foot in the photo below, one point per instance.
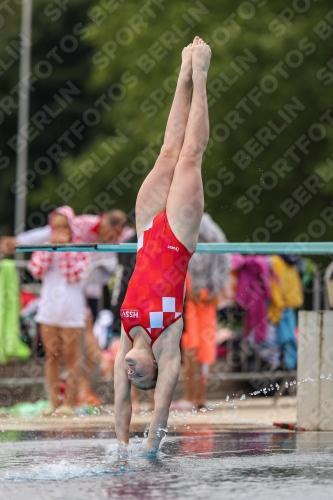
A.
x: 186, y: 67
x: 201, y: 55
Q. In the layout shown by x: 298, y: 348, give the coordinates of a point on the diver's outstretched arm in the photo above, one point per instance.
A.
x: 122, y: 393
x: 168, y: 373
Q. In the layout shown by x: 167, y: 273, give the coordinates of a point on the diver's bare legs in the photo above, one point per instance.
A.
x: 185, y: 201
x: 154, y: 191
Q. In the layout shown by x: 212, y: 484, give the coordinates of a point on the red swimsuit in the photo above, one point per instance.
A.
x: 155, y: 294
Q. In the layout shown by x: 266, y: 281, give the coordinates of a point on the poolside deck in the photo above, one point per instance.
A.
x: 252, y: 413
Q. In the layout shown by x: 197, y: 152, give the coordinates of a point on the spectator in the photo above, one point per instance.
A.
x: 93, y: 356
x: 207, y: 274
x: 104, y: 228
x: 108, y: 227
x: 62, y: 310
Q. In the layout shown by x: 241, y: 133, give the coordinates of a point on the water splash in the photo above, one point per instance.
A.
x: 145, y: 432
x: 61, y: 471
x: 160, y: 430
x: 134, y: 448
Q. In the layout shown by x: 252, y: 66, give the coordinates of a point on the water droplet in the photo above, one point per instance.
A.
x: 203, y: 409
x: 242, y: 397
x: 322, y: 376
x: 286, y: 384
x: 210, y: 407
x: 329, y: 377
x: 227, y: 398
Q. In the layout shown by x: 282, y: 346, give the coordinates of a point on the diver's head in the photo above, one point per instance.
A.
x: 141, y: 367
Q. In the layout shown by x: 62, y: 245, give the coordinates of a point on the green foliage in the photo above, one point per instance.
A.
x: 54, y: 63
x: 272, y: 46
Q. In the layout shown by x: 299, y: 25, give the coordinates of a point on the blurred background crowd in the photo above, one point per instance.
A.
x: 70, y: 309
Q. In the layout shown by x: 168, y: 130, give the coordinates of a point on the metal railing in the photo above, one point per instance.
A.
x: 304, y: 248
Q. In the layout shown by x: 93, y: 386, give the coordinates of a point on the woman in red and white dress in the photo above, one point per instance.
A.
x: 62, y: 308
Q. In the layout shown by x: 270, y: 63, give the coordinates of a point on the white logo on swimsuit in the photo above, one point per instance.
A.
x: 173, y: 248
x: 129, y: 314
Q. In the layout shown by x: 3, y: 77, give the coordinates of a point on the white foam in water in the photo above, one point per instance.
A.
x: 60, y: 471
x: 136, y: 448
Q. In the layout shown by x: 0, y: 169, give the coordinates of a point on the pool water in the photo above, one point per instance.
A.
x: 205, y: 464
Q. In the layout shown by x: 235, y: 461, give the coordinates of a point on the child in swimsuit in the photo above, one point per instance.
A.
x: 169, y: 208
